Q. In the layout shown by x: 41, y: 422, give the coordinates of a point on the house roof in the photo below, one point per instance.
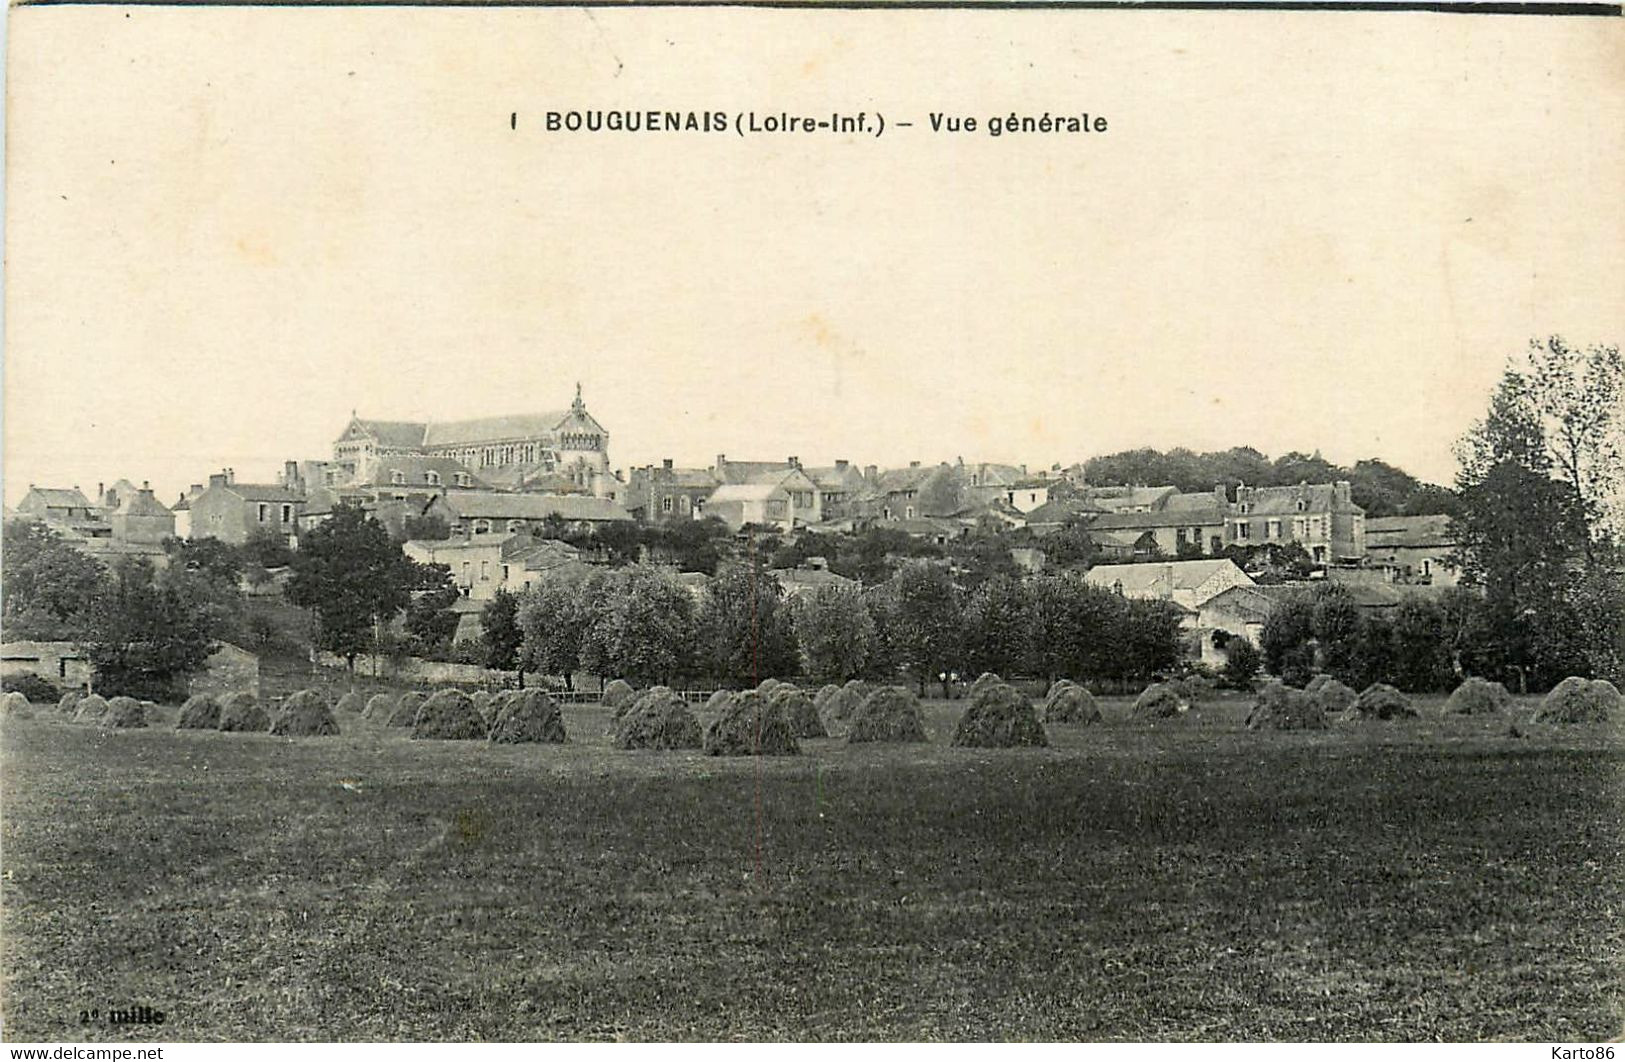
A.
x: 732, y: 471
x: 264, y: 492
x: 415, y: 469
x: 1277, y: 501
x: 493, y: 429
x: 1161, y: 576
x: 1165, y: 518
x: 808, y: 578
x: 1060, y: 510
x: 1387, y: 532
x: 1115, y: 499
x: 477, y: 504
x: 142, y: 503
x: 60, y: 497
x: 743, y: 492
x: 1249, y: 602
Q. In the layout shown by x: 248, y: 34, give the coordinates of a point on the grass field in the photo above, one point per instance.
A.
x: 1445, y: 879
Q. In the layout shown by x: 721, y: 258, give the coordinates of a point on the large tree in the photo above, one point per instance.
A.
x: 998, y: 627
x: 1579, y: 396
x: 144, y: 637
x: 501, y: 634
x: 354, y: 579
x: 836, y: 633
x: 50, y: 587
x: 641, y: 629
x: 922, y: 621
x: 744, y: 630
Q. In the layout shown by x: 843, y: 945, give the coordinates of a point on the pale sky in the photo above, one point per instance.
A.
x: 229, y: 227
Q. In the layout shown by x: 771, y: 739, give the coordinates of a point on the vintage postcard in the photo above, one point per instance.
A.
x: 953, y: 522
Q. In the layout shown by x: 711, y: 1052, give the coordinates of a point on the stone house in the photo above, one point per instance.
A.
x: 1320, y: 517
x: 1413, y: 549
x: 476, y: 513
x: 233, y: 512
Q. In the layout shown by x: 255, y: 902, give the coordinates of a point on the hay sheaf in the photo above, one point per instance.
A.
x: 1330, y: 695
x: 379, y: 706
x: 655, y: 691
x: 618, y: 694
x: 837, y: 712
x: 449, y: 716
x: 1160, y: 700
x: 70, y: 701
x: 660, y: 720
x: 983, y: 681
x: 750, y: 725
x: 527, y: 717
x: 1578, y: 700
x: 304, y: 714
x: 200, y: 712
x: 405, y: 712
x: 90, y: 709
x: 124, y: 713
x: 352, y: 703
x: 15, y: 706
x: 718, y: 700
x: 768, y: 685
x: 1070, y: 703
x: 823, y: 695
x: 1280, y: 707
x: 1476, y: 696
x: 482, y: 702
x: 241, y: 712
x: 889, y: 715
x: 1381, y: 701
x: 799, y: 709
x: 999, y: 717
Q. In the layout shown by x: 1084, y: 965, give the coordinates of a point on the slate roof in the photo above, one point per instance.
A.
x: 142, y: 503
x: 1114, y: 499
x: 489, y: 505
x: 493, y: 429
x: 61, y: 498
x: 416, y: 468
x: 1166, y: 518
x: 264, y: 492
x: 1140, y: 579
x: 1414, y: 532
x: 403, y: 433
x: 1283, y: 501
x: 1251, y: 603
x: 741, y: 492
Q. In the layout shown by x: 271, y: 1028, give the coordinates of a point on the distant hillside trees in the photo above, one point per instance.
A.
x: 1376, y: 486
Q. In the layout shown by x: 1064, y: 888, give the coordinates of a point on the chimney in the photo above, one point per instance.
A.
x: 197, y: 488
x: 101, y: 491
x: 794, y: 461
x: 1168, y: 574
x: 1342, y: 492
x: 290, y: 475
x: 840, y: 464
x: 666, y: 464
x: 218, y: 479
x: 1023, y: 469
x: 146, y: 485
x: 722, y: 463
x: 914, y: 464
x: 871, y: 473
x: 231, y: 475
x: 1220, y: 495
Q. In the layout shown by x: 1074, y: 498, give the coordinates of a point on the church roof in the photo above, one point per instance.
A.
x: 493, y: 429
x: 394, y: 432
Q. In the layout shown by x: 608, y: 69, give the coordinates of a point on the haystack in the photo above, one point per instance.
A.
x: 1160, y: 700
x: 70, y: 701
x: 823, y: 695
x: 527, y: 717
x: 659, y: 720
x: 1578, y: 700
x: 200, y: 712
x: 481, y: 701
x: 718, y: 700
x: 1476, y: 696
x: 799, y: 709
x: 242, y: 712
x: 983, y: 681
x: 1070, y: 703
x: 659, y: 692
x: 1381, y: 701
x: 998, y: 717
x: 15, y: 706
x: 1330, y: 695
x: 125, y: 713
x: 451, y: 716
x: 618, y: 694
x: 351, y: 703
x: 304, y: 714
x: 405, y: 712
x: 750, y: 725
x: 842, y: 705
x: 1280, y: 707
x: 379, y: 707
x: 890, y: 715
x: 89, y: 709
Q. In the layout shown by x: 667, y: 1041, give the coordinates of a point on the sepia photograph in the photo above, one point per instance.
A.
x: 878, y: 524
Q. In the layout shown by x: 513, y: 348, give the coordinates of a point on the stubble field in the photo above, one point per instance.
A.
x: 1446, y: 879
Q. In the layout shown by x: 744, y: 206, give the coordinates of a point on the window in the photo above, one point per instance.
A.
x: 287, y: 514
x: 685, y: 503
x: 504, y: 573
x: 1300, y: 505
x: 397, y: 477
x: 461, y: 478
x: 1179, y: 536
x: 465, y: 572
x: 516, y: 525
x: 485, y: 571
x: 909, y: 513
x: 1427, y: 566
x: 433, y: 478
x: 1299, y: 527
x: 265, y: 512
x: 665, y: 504
x: 1242, y: 529
x: 1272, y: 529
x: 1246, y: 507
x: 482, y: 527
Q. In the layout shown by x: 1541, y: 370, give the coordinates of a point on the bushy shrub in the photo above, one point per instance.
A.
x: 36, y: 689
